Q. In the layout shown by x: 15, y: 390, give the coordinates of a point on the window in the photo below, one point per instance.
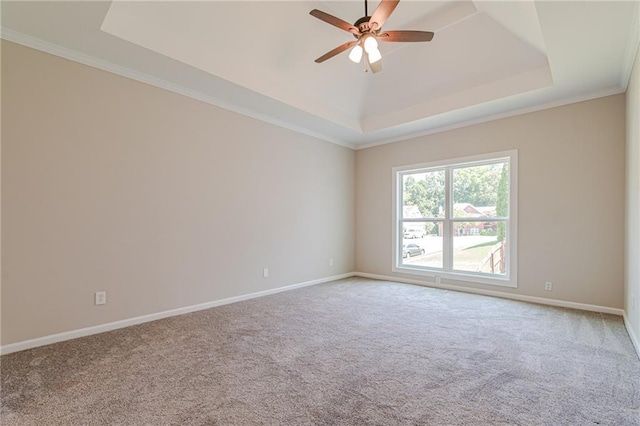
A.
x: 457, y: 219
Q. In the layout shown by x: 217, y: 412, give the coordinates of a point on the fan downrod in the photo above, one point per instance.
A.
x: 362, y: 24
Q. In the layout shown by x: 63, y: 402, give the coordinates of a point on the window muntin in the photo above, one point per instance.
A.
x: 461, y: 215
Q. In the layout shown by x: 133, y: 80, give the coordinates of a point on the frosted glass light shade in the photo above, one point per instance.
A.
x: 370, y: 44
x: 374, y: 55
x: 356, y: 54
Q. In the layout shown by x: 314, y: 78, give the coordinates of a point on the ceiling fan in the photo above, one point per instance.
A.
x: 367, y: 30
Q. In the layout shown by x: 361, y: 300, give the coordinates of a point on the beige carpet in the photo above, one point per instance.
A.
x: 352, y: 352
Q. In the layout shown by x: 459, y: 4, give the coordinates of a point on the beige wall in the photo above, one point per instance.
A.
x: 1, y: 45
x: 571, y: 197
x: 632, y: 277
x: 159, y: 199
x: 165, y: 202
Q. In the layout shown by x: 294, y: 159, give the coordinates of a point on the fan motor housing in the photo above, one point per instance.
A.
x: 363, y: 24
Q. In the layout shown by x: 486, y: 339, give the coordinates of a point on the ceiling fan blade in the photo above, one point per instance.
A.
x: 336, y: 22
x: 375, y: 67
x: 335, y: 51
x: 382, y: 12
x: 406, y: 36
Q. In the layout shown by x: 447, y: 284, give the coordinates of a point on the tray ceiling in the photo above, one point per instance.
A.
x: 487, y: 59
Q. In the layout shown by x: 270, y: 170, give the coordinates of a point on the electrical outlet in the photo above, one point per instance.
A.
x: 331, y: 262
x: 438, y: 279
x: 101, y: 297
x: 265, y: 272
x: 548, y: 285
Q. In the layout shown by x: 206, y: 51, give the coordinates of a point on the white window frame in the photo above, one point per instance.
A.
x: 447, y: 272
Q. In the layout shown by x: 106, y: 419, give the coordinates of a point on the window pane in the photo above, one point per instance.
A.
x: 480, y: 247
x: 481, y: 191
x: 422, y: 244
x: 423, y: 194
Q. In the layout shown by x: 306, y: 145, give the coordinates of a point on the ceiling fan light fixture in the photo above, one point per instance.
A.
x: 374, y: 55
x: 367, y: 30
x: 370, y: 44
x: 356, y: 54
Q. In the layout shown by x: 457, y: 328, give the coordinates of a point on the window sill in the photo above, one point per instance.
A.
x: 457, y: 276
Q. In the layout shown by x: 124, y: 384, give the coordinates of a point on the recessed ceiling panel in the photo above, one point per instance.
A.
x: 472, y: 62
x: 267, y: 47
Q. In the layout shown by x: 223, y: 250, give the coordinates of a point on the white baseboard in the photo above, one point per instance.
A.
x: 523, y: 298
x: 82, y: 332
x: 74, y: 334
x: 632, y: 335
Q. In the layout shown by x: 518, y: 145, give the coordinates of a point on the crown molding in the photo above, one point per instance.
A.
x: 633, y: 45
x: 499, y: 116
x: 101, y: 64
x: 75, y: 56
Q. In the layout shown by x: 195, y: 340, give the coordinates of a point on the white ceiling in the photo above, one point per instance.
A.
x: 487, y: 59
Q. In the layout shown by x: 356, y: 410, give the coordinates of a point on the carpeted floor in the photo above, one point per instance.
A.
x: 351, y: 352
